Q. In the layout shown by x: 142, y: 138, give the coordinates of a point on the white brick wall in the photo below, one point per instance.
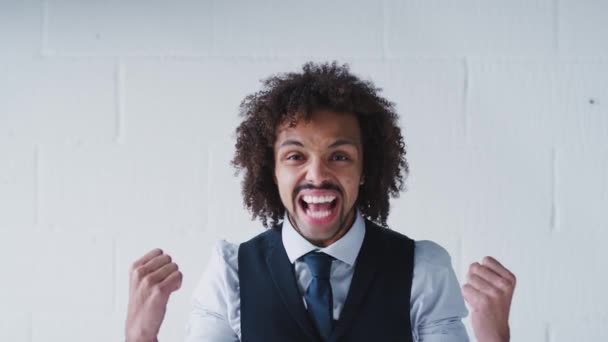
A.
x: 117, y: 121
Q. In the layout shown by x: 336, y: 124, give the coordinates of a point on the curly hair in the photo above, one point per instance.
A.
x: 290, y: 97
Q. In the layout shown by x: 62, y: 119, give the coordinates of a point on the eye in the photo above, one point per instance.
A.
x: 340, y: 157
x: 294, y: 156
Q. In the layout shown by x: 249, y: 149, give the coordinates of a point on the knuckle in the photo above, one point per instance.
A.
x: 484, y: 301
x: 148, y: 281
x: 503, y: 284
x: 140, y: 272
x: 494, y: 292
x: 475, y: 280
x: 157, y: 291
x: 485, y: 269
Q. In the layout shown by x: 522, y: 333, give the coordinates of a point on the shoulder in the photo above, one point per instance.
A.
x: 265, y: 236
x: 389, y: 236
x: 227, y: 253
x: 259, y: 244
x: 220, y: 277
x: 224, y: 255
x: 431, y: 254
x: 433, y: 266
x: 426, y: 252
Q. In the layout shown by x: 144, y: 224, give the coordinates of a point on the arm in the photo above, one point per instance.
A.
x: 153, y: 278
x: 437, y: 307
x: 214, y: 314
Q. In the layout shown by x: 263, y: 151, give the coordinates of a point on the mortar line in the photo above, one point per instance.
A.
x: 114, y: 275
x: 465, y: 100
x: 44, y: 37
x: 461, y: 267
x: 209, y: 224
x: 36, y: 185
x: 30, y: 325
x: 213, y: 27
x: 548, y: 333
x: 554, y: 218
x: 385, y: 29
x: 556, y: 26
x: 120, y: 102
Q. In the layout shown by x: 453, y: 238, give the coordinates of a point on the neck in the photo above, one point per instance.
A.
x: 345, y: 226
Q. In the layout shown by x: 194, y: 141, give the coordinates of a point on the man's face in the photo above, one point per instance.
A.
x: 318, y: 169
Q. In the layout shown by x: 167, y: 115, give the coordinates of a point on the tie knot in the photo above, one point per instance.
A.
x: 319, y: 264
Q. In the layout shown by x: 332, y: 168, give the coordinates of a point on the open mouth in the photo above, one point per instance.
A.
x: 319, y: 208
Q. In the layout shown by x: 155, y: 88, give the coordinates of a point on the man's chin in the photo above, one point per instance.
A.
x: 319, y: 239
x: 318, y: 234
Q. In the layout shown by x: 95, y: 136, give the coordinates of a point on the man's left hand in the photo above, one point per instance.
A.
x: 488, y: 291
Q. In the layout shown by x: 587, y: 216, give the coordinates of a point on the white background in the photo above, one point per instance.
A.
x: 117, y: 122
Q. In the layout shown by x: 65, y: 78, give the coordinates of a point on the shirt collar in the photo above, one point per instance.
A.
x: 345, y: 249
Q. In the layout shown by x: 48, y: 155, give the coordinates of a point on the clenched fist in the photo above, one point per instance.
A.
x: 489, y: 292
x: 152, y: 280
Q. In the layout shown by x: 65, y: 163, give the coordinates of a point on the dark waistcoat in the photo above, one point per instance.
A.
x: 377, y: 306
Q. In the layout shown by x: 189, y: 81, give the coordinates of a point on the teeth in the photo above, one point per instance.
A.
x: 318, y: 199
x: 318, y: 214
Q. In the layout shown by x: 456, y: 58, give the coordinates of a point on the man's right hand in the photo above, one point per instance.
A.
x: 152, y: 280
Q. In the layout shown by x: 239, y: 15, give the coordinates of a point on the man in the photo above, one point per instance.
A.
x: 322, y: 153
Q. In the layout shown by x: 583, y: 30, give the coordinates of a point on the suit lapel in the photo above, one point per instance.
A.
x: 282, y: 273
x: 365, y: 269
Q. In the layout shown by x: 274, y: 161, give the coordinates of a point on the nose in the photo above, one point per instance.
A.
x: 318, y: 172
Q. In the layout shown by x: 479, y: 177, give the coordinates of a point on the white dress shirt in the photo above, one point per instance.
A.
x: 436, y: 305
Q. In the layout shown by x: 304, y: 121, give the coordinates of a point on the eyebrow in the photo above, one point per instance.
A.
x: 341, y: 142
x: 291, y: 143
x: 337, y: 143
